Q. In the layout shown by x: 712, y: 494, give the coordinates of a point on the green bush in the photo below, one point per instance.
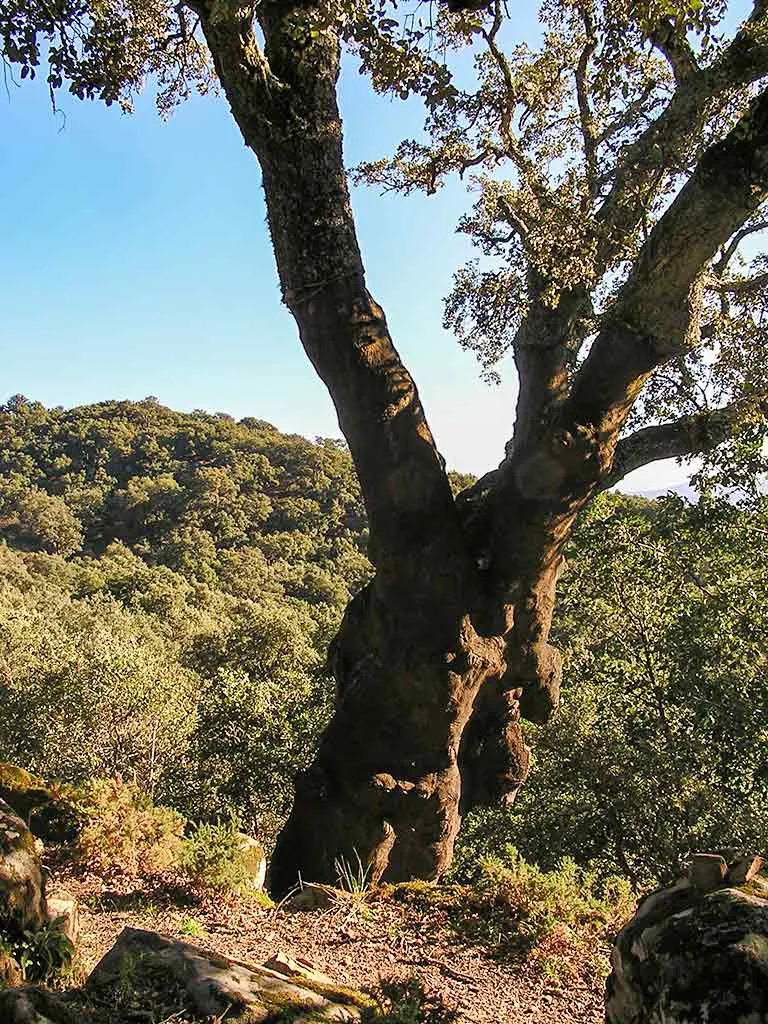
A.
x: 659, y: 747
x: 42, y: 954
x: 212, y: 858
x: 552, y: 919
x: 556, y: 922
x: 126, y: 833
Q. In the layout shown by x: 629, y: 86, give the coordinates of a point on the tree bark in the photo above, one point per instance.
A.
x: 448, y: 647
x: 385, y: 784
x: 408, y: 660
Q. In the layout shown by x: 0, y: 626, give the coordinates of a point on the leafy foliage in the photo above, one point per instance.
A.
x: 105, y: 50
x: 125, y: 833
x: 659, y: 747
x: 41, y: 954
x: 211, y: 857
x: 556, y: 922
x: 175, y: 633
x: 553, y: 920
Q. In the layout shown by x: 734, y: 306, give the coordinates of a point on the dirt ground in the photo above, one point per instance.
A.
x: 356, y: 942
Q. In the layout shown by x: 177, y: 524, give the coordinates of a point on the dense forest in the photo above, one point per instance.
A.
x: 170, y: 582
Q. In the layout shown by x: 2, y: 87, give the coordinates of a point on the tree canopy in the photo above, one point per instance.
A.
x: 168, y: 586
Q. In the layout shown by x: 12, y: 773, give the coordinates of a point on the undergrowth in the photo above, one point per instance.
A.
x: 558, y: 922
x: 42, y: 954
x: 126, y: 833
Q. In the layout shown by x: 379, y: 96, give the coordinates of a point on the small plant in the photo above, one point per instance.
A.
x: 556, y: 921
x: 126, y: 833
x: 192, y: 928
x: 42, y: 954
x: 406, y: 1002
x: 212, y: 858
x: 352, y: 877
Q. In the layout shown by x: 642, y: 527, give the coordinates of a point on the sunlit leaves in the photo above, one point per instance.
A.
x: 106, y: 49
x: 660, y: 745
x: 182, y: 639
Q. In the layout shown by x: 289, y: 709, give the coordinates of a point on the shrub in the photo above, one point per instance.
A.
x: 125, y: 833
x: 212, y: 858
x: 41, y: 954
x: 557, y: 921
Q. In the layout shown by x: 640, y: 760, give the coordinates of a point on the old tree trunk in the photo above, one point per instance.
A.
x: 447, y: 648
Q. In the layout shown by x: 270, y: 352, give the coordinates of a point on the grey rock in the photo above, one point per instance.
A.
x: 33, y: 1006
x: 692, y: 957
x: 254, y: 859
x: 707, y: 871
x: 312, y: 896
x: 215, y: 985
x: 64, y: 909
x: 22, y: 893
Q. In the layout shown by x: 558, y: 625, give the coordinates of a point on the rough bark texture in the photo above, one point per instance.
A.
x: 440, y: 656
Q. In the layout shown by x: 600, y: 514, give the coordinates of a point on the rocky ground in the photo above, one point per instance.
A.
x: 357, y: 941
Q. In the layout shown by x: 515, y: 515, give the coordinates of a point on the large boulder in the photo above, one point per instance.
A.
x: 213, y: 986
x: 697, y: 952
x: 22, y: 890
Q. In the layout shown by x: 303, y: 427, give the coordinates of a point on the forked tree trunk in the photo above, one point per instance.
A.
x: 425, y: 649
x: 385, y: 784
x: 438, y: 658
x: 431, y: 673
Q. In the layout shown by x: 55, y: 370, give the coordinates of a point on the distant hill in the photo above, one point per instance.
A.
x: 186, y: 490
x: 684, y: 490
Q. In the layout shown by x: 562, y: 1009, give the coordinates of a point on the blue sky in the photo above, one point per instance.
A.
x: 136, y: 261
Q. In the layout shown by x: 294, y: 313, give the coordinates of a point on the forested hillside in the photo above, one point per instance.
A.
x: 169, y: 584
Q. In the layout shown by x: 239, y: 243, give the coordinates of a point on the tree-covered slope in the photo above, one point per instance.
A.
x: 181, y: 490
x: 168, y: 586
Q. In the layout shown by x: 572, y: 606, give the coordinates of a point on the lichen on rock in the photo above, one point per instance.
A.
x: 213, y: 985
x: 692, y: 956
x: 22, y: 894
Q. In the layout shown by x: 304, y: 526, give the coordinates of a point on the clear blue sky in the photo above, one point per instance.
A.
x: 135, y: 260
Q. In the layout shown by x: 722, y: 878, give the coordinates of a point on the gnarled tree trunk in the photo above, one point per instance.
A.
x: 444, y: 651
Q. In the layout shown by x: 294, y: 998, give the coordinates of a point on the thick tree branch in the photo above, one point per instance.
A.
x: 689, y: 435
x: 657, y: 150
x: 656, y: 311
x: 284, y: 102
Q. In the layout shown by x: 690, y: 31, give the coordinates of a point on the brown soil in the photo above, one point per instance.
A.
x: 357, y: 942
